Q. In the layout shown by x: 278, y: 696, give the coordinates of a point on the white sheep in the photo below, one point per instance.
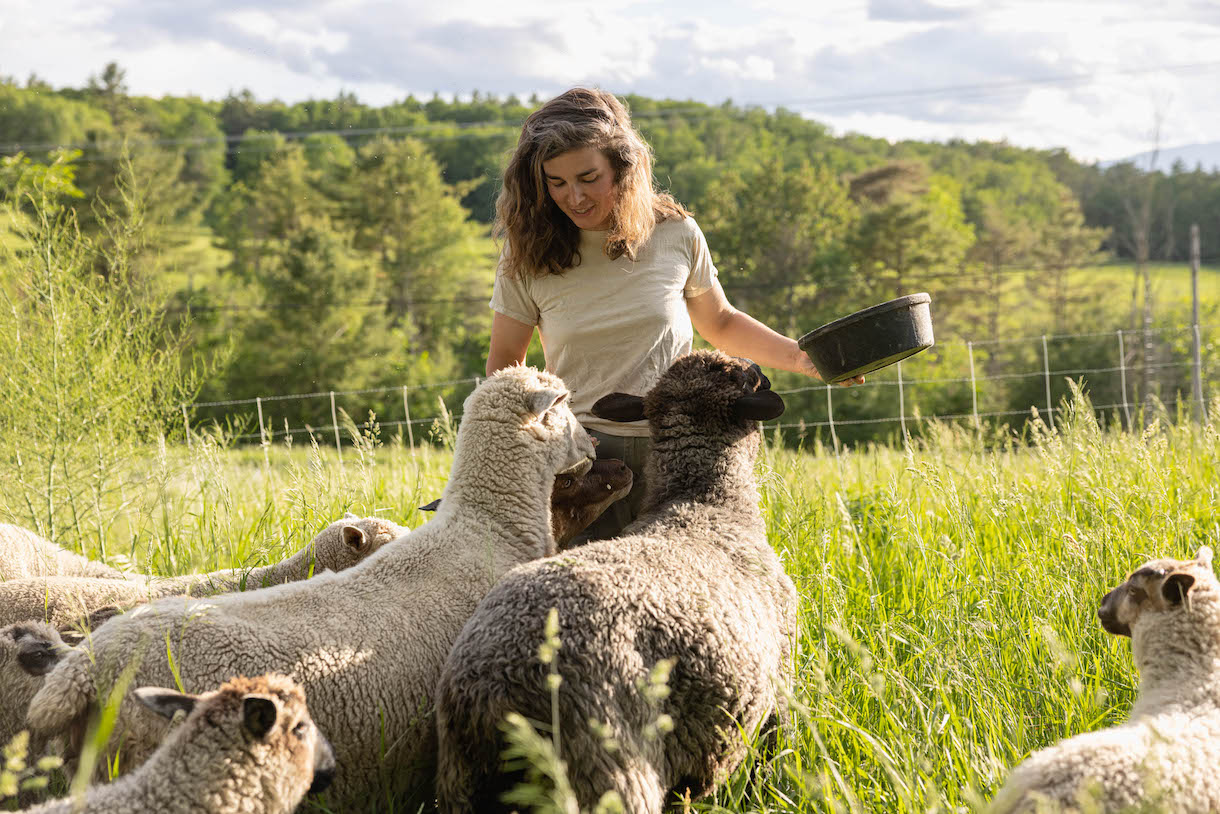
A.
x: 249, y: 747
x: 25, y: 554
x: 1164, y: 757
x: 69, y: 602
x: 28, y: 651
x: 692, y: 582
x: 368, y: 643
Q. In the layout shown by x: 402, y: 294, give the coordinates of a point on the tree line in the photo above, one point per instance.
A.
x: 330, y: 244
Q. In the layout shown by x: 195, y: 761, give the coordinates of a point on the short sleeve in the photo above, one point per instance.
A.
x: 511, y: 297
x: 702, y: 270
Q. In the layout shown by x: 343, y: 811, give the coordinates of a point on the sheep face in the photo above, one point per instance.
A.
x: 520, y: 408
x: 1156, y: 588
x: 704, y: 389
x: 577, y: 501
x: 275, y: 729
x: 352, y: 540
x: 28, y: 651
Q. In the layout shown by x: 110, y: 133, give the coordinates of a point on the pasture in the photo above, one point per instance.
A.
x: 948, y: 590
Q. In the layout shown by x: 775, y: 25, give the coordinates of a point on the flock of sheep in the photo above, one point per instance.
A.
x: 675, y: 640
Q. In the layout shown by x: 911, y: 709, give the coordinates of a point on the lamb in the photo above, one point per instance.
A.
x: 1164, y: 757
x: 24, y: 554
x: 28, y: 651
x: 577, y: 502
x: 368, y: 643
x: 692, y: 584
x: 68, y: 602
x: 248, y: 747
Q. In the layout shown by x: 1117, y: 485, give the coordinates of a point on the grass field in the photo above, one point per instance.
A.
x: 948, y: 591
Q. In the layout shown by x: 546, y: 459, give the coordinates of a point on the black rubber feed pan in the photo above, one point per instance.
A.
x: 870, y: 339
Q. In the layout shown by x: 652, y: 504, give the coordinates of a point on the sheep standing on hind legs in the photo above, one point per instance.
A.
x: 249, y: 747
x: 1165, y: 757
x: 368, y: 643
x: 692, y: 580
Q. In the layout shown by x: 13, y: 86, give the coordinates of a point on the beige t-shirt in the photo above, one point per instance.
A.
x: 614, y: 325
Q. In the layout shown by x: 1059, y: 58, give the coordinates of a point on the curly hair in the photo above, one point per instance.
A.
x: 541, y: 238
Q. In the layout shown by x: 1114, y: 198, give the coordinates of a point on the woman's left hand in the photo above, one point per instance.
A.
x: 808, y: 368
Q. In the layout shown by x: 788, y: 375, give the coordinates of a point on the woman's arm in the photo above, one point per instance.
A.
x: 739, y: 334
x: 510, y: 340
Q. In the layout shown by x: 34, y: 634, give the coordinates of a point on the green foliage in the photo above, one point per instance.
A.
x: 90, y: 371
x: 947, y: 592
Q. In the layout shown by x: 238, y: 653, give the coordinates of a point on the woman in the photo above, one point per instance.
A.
x: 612, y: 273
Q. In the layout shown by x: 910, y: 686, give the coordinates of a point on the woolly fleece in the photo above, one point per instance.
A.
x: 693, y: 580
x: 368, y: 643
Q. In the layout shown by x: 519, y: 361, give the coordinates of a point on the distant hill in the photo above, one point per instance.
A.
x: 1207, y: 155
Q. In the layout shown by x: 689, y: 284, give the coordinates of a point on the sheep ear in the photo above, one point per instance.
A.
x: 542, y: 401
x: 258, y: 714
x: 619, y: 407
x: 431, y: 507
x: 349, y: 516
x: 1204, y: 557
x: 166, y: 702
x: 1176, y: 587
x: 354, y: 537
x: 762, y: 405
x: 37, y: 657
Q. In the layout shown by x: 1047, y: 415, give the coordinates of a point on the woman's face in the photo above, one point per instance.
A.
x: 581, y: 183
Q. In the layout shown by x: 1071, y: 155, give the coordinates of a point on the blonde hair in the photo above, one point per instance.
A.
x: 541, y: 238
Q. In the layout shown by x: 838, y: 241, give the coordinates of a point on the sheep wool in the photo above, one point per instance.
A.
x: 368, y: 643
x: 24, y: 554
x: 1164, y: 758
x: 71, y: 602
x: 248, y: 747
x: 692, y: 584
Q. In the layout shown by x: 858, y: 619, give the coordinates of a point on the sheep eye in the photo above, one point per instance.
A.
x: 300, y: 729
x: 566, y: 483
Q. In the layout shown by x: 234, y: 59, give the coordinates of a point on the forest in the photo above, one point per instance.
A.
x: 332, y: 245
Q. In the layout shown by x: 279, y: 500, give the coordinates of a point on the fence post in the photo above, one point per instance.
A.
x: 974, y: 392
x: 1200, y: 407
x: 262, y: 432
x: 1122, y: 372
x: 1046, y: 374
x: 830, y: 415
x: 186, y: 424
x: 334, y: 422
x: 902, y: 407
x: 406, y: 411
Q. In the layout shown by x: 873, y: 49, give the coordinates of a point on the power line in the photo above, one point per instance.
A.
x: 976, y: 90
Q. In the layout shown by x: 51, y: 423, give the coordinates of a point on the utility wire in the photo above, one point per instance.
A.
x: 965, y: 90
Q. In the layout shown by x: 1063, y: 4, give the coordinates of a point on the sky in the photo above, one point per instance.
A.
x: 1104, y: 79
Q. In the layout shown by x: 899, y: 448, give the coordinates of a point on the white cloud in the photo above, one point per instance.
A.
x: 871, y: 57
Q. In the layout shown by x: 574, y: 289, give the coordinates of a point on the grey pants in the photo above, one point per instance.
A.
x: 632, y: 451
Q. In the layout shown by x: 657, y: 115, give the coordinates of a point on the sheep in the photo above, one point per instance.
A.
x: 247, y: 747
x: 68, y: 602
x: 25, y: 554
x: 577, y: 502
x: 368, y: 643
x: 1164, y: 757
x: 692, y: 585
x: 28, y: 651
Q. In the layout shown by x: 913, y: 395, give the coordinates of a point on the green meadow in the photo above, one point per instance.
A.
x: 948, y: 589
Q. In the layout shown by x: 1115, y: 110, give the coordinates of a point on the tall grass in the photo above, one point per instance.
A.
x: 948, y: 589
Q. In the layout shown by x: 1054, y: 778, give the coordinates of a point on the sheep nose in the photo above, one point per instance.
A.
x: 323, y: 766
x: 1107, y: 614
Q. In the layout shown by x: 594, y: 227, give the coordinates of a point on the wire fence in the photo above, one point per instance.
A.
x: 1004, y: 380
